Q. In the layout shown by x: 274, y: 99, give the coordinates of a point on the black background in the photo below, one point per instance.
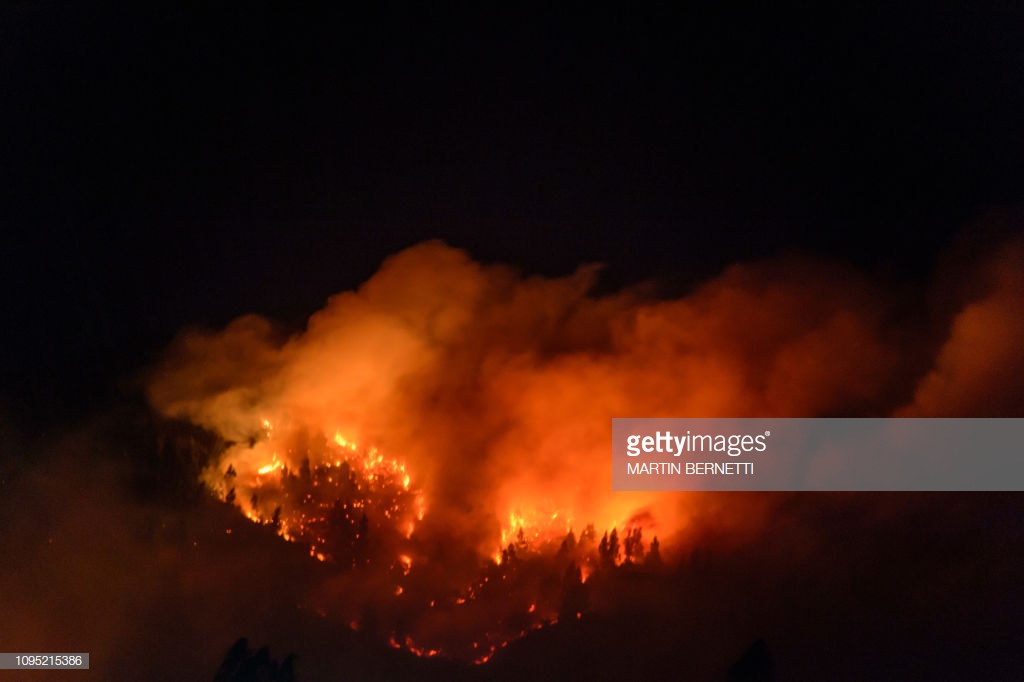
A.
x: 163, y: 166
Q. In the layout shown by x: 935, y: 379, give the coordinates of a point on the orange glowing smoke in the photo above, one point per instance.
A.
x: 466, y: 410
x: 496, y: 392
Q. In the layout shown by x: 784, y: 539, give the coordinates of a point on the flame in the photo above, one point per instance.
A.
x: 537, y: 526
x: 444, y: 428
x: 319, y: 456
x: 267, y: 468
x: 320, y: 496
x: 326, y: 499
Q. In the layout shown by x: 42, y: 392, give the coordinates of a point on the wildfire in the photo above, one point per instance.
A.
x: 437, y: 431
x: 438, y: 437
x: 337, y: 497
x: 358, y: 509
x: 538, y: 526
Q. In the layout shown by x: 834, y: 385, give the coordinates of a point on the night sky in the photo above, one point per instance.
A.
x: 164, y: 167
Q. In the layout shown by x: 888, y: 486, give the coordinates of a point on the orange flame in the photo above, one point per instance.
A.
x: 464, y: 411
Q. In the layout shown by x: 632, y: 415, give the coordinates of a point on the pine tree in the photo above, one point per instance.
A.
x: 654, y: 553
x: 575, y: 595
x: 568, y: 544
x: 633, y: 545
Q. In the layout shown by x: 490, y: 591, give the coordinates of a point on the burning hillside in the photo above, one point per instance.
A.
x: 440, y: 437
x: 358, y: 512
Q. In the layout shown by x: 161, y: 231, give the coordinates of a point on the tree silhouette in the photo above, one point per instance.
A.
x: 575, y: 595
x: 568, y: 544
x: 608, y: 549
x: 361, y: 546
x: 755, y: 665
x: 234, y: 660
x: 521, y: 541
x: 340, y: 535
x: 654, y: 554
x: 633, y: 545
x: 242, y: 665
x: 588, y: 534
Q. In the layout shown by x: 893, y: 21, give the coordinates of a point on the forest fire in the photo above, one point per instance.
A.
x: 357, y: 510
x: 439, y: 439
x: 326, y: 505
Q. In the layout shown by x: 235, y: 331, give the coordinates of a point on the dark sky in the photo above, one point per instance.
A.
x: 163, y: 166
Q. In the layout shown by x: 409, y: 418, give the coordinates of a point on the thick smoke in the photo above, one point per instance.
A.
x: 497, y: 390
x: 979, y: 371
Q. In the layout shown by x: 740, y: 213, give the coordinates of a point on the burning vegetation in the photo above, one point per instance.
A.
x: 328, y: 504
x: 438, y: 439
x: 358, y: 510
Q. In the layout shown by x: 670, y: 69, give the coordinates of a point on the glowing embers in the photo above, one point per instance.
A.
x: 359, y: 513
x: 353, y: 507
x: 540, y: 526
